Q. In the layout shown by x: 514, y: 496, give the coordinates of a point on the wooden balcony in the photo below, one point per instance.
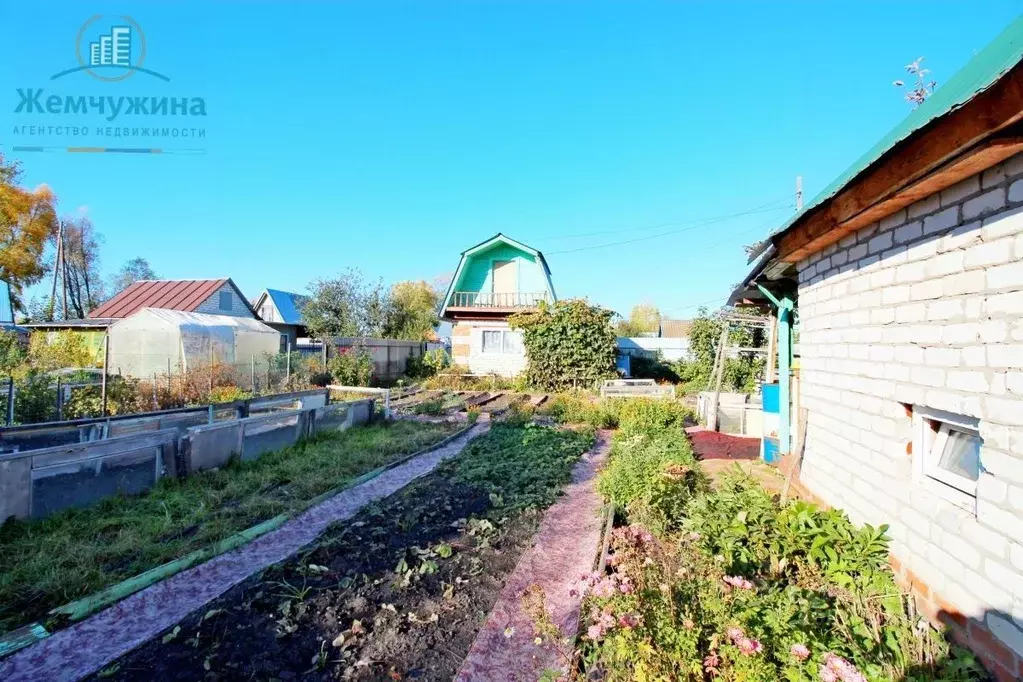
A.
x: 479, y: 301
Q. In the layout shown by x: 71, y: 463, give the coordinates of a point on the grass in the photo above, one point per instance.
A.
x: 49, y: 562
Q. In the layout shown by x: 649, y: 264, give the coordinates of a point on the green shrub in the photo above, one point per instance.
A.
x: 579, y: 408
x: 652, y: 476
x: 352, y: 366
x: 569, y: 344
x: 432, y: 406
x: 730, y: 586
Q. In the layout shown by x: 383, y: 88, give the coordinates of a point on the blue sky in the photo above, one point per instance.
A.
x: 391, y: 136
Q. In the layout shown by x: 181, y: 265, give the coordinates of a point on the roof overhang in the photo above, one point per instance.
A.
x: 969, y: 124
x: 483, y: 246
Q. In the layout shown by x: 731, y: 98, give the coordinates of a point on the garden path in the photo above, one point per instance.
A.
x: 88, y: 646
x: 566, y: 546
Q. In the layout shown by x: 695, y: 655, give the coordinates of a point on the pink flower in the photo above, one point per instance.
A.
x: 629, y: 621
x: 688, y: 624
x: 735, y: 634
x: 605, y: 588
x: 799, y: 651
x: 626, y: 587
x: 594, y: 632
x: 694, y: 536
x: 749, y: 646
x: 711, y: 663
x: 837, y: 668
x: 738, y: 582
x: 648, y: 562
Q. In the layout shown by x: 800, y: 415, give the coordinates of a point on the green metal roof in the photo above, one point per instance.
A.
x: 986, y: 67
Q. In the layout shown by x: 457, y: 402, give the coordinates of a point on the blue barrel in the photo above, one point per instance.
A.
x: 769, y: 447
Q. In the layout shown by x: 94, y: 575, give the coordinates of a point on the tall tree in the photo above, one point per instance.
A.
x: 344, y: 306
x: 135, y: 270
x: 644, y: 319
x: 413, y: 311
x: 79, y: 266
x: 27, y: 220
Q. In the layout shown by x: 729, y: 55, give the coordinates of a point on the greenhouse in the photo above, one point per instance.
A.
x: 155, y: 341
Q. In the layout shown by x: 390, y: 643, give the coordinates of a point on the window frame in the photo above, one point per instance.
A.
x: 502, y: 344
x: 929, y: 445
x: 230, y: 303
x: 499, y: 344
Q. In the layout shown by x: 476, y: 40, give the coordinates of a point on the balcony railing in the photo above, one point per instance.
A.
x: 479, y: 299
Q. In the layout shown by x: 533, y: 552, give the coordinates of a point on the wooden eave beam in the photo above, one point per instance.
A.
x: 961, y: 144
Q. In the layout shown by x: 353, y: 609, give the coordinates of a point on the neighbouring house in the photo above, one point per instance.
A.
x: 282, y: 310
x: 494, y: 279
x: 906, y: 274
x: 671, y: 342
x: 161, y: 326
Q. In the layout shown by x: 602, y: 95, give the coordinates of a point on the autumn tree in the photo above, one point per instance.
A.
x: 28, y: 220
x: 644, y: 319
x: 135, y: 270
x: 412, y: 313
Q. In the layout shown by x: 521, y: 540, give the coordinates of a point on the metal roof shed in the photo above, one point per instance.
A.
x: 155, y: 341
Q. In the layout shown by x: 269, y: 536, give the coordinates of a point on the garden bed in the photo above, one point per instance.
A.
x: 722, y: 582
x: 45, y: 564
x: 398, y: 592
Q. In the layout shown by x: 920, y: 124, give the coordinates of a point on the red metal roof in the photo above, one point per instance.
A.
x: 182, y: 294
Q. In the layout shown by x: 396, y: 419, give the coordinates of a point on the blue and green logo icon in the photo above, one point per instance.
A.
x: 111, y: 49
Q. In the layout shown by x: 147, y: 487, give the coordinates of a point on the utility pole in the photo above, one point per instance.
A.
x: 799, y: 193
x: 56, y: 268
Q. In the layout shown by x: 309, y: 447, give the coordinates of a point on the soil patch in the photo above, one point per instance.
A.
x: 398, y: 592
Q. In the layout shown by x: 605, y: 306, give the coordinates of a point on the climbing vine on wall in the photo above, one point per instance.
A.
x: 569, y: 343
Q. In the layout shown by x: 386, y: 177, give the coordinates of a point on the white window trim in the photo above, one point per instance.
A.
x: 500, y: 350
x: 927, y: 449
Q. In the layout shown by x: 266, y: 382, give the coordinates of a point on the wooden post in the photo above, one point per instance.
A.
x: 712, y: 418
x: 10, y: 401
x: 252, y: 372
x: 60, y: 401
x: 784, y: 375
x: 211, y: 368
x: 772, y: 351
x: 287, y: 375
x: 156, y: 404
x: 106, y: 363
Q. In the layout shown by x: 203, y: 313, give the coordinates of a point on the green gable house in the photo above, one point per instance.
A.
x: 494, y: 280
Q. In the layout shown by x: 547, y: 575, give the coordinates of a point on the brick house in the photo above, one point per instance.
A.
x: 906, y: 276
x: 494, y: 279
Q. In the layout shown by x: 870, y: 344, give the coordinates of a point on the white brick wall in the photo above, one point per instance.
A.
x: 926, y: 308
x: 502, y: 364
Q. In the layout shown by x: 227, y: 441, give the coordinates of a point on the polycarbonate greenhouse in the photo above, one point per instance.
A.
x: 157, y: 341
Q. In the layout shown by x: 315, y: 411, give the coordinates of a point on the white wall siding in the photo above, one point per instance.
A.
x: 211, y: 306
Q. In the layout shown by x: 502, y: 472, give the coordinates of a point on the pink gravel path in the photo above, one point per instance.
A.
x: 565, y: 548
x: 87, y: 647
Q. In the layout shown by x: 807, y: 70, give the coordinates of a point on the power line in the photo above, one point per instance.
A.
x: 688, y: 221
x: 671, y: 232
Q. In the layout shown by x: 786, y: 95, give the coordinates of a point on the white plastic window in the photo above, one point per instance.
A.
x: 948, y: 447
x: 492, y: 342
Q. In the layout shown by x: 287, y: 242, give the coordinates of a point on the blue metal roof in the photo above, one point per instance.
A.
x: 289, y: 305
